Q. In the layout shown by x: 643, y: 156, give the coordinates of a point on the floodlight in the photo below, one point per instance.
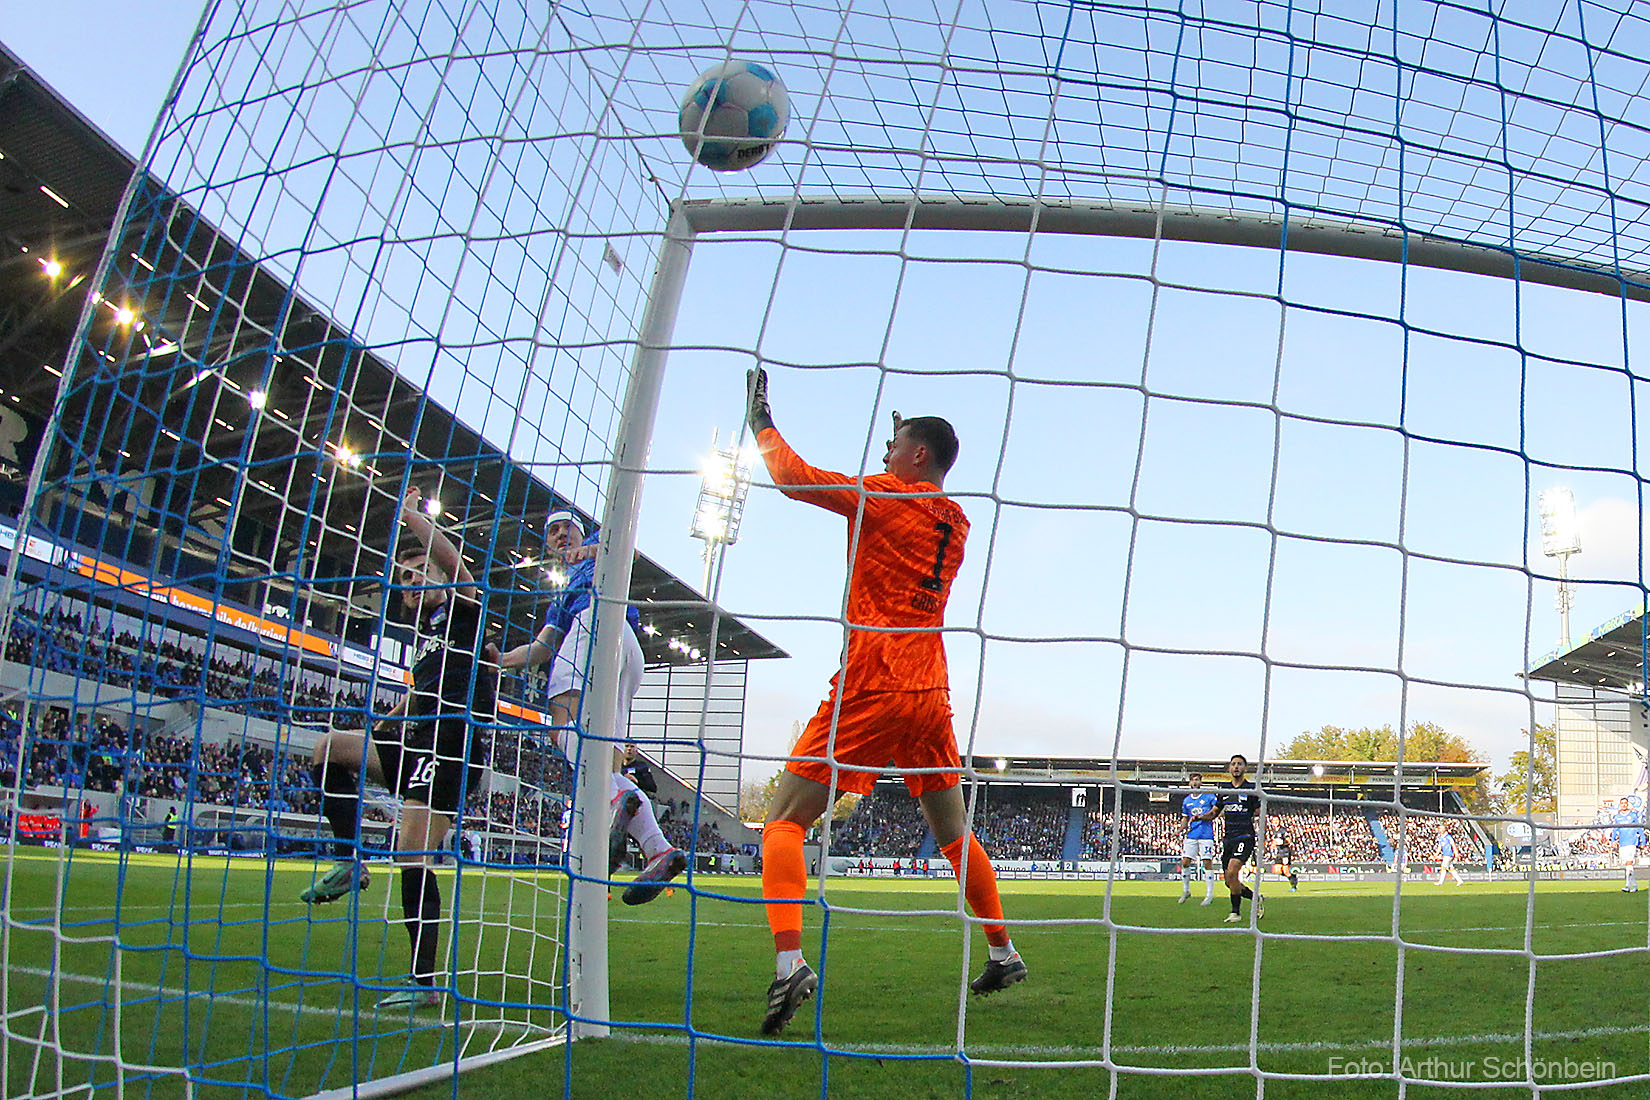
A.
x: 1560, y: 537
x: 1560, y: 532
x: 726, y: 479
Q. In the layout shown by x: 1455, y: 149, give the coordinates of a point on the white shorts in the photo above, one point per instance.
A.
x: 1629, y: 854
x: 570, y: 668
x: 1198, y: 849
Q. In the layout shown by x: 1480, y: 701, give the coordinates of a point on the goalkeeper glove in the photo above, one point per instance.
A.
x: 759, y: 416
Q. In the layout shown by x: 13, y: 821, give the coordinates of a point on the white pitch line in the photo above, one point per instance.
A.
x: 1095, y: 1052
x: 170, y: 992
x: 243, y: 1001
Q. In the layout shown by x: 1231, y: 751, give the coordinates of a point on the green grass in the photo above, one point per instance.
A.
x: 888, y: 1017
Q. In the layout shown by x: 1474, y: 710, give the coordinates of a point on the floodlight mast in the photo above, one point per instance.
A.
x: 1560, y: 537
x: 721, y: 504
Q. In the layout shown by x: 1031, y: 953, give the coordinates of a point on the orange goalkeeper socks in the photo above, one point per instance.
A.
x: 980, y: 886
x: 784, y: 876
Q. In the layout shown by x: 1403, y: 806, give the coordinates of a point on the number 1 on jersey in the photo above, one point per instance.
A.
x: 935, y: 583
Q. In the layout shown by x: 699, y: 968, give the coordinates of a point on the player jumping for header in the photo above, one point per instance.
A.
x: 890, y: 702
x: 425, y: 750
x: 568, y: 636
x: 1238, y: 802
x: 1200, y: 808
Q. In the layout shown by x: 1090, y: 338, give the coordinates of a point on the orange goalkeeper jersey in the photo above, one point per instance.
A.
x: 908, y: 552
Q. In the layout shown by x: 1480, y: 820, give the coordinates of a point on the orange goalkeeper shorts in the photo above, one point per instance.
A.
x: 877, y: 730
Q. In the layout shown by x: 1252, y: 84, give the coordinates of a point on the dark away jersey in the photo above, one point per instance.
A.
x: 449, y: 638
x: 1238, y: 803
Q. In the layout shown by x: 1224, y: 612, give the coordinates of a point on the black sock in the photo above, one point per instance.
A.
x: 1293, y: 881
x: 1245, y: 892
x: 340, y: 795
x: 1236, y: 898
x: 421, y: 910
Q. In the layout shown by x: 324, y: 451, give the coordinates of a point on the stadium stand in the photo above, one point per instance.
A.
x: 87, y: 752
x: 1421, y: 838
x: 1318, y: 836
x: 1025, y: 823
x: 885, y: 823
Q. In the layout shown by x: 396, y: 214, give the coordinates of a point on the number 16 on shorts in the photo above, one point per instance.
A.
x: 423, y: 773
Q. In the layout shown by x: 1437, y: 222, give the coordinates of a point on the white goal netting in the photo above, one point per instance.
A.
x: 1264, y: 328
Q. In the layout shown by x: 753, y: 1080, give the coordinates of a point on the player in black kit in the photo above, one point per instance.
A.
x: 425, y: 750
x: 1284, y: 856
x: 1239, y: 802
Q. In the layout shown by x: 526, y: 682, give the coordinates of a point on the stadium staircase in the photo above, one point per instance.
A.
x: 1072, y: 849
x: 1379, y: 834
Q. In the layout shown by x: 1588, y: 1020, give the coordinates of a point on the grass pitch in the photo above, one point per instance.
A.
x: 1123, y: 987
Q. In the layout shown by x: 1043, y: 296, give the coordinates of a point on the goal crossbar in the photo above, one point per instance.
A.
x: 1324, y: 236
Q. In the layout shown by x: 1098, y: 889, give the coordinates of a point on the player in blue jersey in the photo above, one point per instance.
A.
x: 566, y: 641
x: 1446, y: 856
x: 1239, y: 803
x: 1630, y: 838
x: 1200, y: 808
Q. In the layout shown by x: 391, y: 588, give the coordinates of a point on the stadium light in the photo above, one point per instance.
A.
x: 52, y: 268
x: 1317, y: 771
x: 432, y: 506
x: 257, y: 398
x: 721, y: 504
x: 124, y: 315
x: 1560, y: 537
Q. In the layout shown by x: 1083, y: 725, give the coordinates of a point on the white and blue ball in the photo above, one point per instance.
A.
x: 734, y: 114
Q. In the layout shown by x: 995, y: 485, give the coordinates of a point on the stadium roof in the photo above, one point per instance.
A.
x: 1080, y: 771
x: 1610, y: 658
x: 62, y: 180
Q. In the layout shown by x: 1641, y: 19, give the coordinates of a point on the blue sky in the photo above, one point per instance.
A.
x: 1261, y: 419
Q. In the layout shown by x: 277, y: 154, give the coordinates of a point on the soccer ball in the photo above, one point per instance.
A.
x: 733, y: 115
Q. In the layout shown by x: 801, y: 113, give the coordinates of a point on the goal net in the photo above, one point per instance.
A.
x: 1263, y: 329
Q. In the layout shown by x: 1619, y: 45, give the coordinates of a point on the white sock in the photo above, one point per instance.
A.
x: 1185, y: 880
x: 1001, y: 954
x: 786, y: 962
x: 644, y: 827
x: 1208, y: 883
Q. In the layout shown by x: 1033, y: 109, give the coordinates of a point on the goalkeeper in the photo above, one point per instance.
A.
x: 891, y: 699
x: 425, y: 750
